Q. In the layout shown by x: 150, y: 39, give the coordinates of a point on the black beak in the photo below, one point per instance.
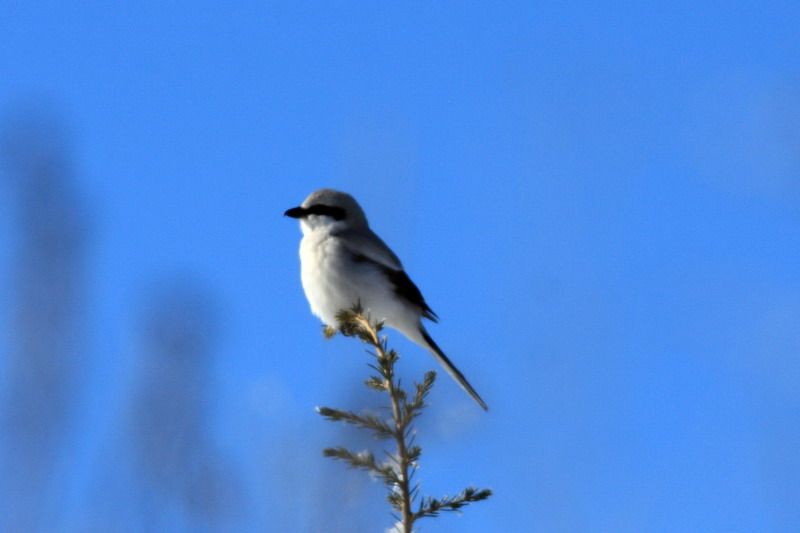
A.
x: 295, y: 212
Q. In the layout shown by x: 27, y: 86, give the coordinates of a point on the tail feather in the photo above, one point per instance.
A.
x: 451, y: 368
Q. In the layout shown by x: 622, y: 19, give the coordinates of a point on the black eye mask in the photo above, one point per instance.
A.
x: 336, y: 213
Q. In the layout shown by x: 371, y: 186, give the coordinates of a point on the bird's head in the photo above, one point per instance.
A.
x: 328, y: 208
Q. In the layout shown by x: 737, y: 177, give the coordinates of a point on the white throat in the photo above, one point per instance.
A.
x: 313, y: 223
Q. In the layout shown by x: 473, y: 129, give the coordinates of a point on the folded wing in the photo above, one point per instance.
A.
x: 369, y: 248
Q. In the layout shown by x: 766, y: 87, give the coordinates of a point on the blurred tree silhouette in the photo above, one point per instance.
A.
x: 163, y: 471
x: 173, y: 450
x: 44, y: 357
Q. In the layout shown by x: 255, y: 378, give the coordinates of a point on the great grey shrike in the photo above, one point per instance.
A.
x: 343, y: 263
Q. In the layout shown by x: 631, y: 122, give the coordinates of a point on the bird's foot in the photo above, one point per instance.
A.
x: 328, y: 332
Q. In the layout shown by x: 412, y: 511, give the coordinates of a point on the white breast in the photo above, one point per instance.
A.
x: 334, y: 282
x: 324, y: 276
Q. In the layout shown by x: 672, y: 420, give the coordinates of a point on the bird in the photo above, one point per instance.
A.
x: 344, y: 264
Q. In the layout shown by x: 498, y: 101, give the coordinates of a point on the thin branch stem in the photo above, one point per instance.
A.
x: 400, y: 423
x: 399, y: 468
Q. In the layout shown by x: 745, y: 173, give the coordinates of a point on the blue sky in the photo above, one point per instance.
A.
x: 600, y: 202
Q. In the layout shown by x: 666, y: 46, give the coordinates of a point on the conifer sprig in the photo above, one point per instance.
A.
x: 398, y: 469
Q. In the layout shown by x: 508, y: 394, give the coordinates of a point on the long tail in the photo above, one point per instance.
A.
x: 451, y: 368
